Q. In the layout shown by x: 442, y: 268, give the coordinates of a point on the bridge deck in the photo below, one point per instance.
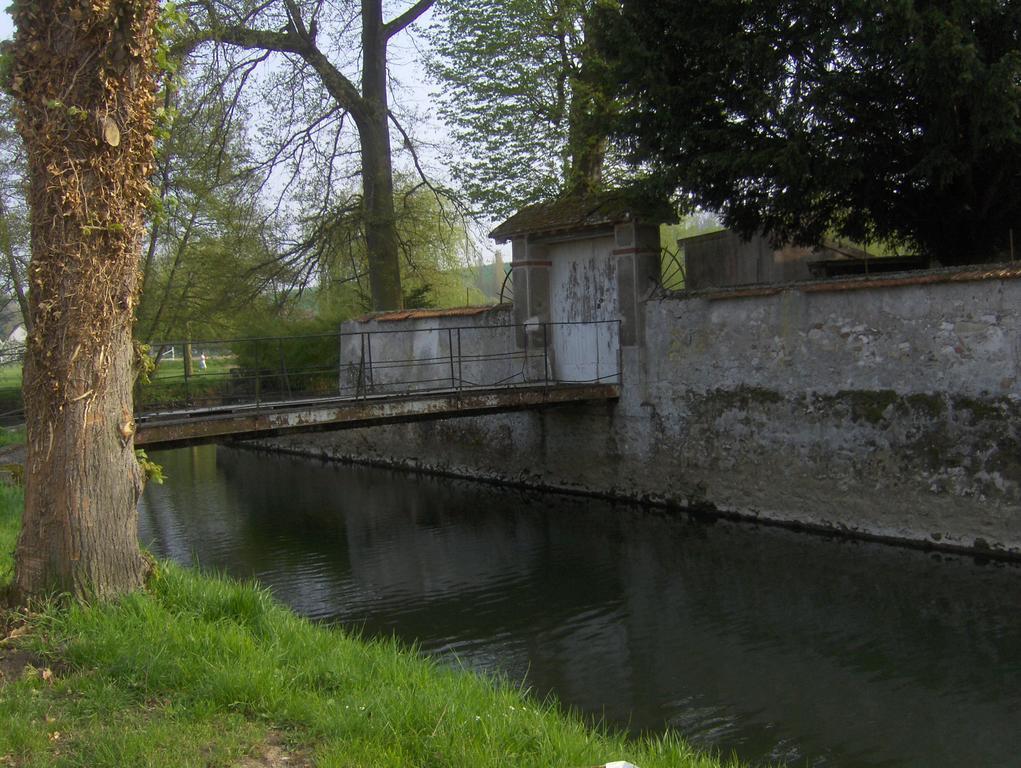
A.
x: 206, y: 425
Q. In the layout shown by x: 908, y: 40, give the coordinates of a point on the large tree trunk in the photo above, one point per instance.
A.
x: 367, y: 106
x: 83, y: 78
x: 377, y: 169
x: 591, y: 113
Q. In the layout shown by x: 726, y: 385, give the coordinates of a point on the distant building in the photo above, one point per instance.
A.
x: 12, y: 324
x: 725, y: 259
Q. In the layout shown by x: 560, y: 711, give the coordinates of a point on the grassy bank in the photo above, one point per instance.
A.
x: 203, y: 671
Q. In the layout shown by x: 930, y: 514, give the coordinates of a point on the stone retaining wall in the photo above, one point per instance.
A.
x: 885, y: 409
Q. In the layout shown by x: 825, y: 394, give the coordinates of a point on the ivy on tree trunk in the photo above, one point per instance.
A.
x: 83, y: 78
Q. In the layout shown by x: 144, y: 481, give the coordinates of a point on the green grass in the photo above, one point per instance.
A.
x: 11, y: 502
x: 11, y: 436
x: 10, y: 376
x: 10, y: 388
x: 204, y: 671
x: 167, y: 385
x: 216, y: 367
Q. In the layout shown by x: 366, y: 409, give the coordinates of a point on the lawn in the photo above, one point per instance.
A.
x: 10, y: 376
x: 173, y: 369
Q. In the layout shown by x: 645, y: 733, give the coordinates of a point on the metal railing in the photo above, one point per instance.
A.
x: 259, y: 371
x: 378, y: 363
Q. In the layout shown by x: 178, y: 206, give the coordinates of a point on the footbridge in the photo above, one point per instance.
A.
x: 260, y: 387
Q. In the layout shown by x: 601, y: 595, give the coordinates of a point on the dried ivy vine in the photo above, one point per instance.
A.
x: 83, y: 77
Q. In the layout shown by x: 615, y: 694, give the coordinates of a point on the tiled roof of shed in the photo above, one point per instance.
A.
x: 574, y: 212
x: 425, y: 314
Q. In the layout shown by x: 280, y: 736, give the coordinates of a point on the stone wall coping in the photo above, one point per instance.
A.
x: 967, y: 274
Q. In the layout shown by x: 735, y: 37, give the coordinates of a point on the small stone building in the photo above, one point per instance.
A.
x: 584, y: 259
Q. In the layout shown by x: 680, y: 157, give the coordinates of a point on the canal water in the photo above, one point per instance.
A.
x: 778, y: 647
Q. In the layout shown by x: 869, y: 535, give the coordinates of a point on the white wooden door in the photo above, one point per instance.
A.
x: 583, y: 283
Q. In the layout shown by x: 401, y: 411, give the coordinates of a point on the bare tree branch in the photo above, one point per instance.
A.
x: 407, y: 18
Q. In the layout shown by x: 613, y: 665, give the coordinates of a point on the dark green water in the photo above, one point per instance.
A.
x: 774, y: 645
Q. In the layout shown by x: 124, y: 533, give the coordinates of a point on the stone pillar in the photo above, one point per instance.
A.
x: 531, y: 282
x: 637, y: 251
x: 531, y: 266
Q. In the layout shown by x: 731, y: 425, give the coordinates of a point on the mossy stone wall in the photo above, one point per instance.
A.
x: 891, y: 412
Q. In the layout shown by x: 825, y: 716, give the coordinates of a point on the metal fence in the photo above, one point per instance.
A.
x: 362, y: 364
x: 377, y: 363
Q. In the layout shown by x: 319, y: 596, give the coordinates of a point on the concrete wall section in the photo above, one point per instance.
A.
x: 959, y: 338
x: 433, y: 352
x: 891, y: 412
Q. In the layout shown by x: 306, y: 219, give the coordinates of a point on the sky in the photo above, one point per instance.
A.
x: 405, y: 67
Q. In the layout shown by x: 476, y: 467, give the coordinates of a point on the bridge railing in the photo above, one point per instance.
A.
x: 373, y: 363
x: 220, y: 372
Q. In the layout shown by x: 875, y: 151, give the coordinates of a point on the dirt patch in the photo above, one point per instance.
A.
x: 274, y: 753
x: 13, y: 659
x: 14, y: 662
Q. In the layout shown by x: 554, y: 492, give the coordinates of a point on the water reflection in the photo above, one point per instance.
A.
x: 774, y: 645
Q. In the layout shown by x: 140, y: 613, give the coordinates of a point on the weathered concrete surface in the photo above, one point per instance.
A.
x: 213, y: 425
x: 889, y: 412
x: 432, y: 352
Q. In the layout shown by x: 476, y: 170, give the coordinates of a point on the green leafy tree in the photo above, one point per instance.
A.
x: 874, y: 120
x: 325, y: 65
x: 435, y: 244
x: 524, y: 93
x: 211, y: 246
x: 14, y: 230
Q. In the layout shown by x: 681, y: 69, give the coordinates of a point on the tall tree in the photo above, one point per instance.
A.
x: 83, y: 78
x: 13, y: 209
x: 435, y: 243
x: 291, y: 30
x: 210, y: 246
x: 875, y: 120
x: 524, y: 90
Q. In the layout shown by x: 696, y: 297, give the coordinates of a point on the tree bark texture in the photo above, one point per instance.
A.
x: 377, y: 167
x: 83, y: 80
x: 591, y: 112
